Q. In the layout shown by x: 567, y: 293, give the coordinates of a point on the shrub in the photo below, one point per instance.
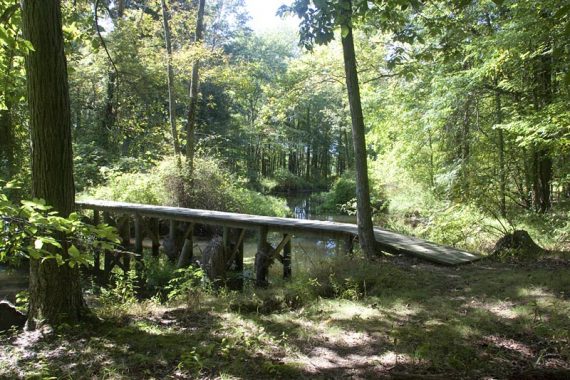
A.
x: 31, y: 231
x: 342, y: 197
x: 169, y: 184
x: 457, y: 225
x: 158, y: 272
x: 287, y: 182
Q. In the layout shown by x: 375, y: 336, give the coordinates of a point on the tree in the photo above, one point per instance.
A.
x: 319, y: 21
x: 191, y: 126
x: 170, y: 77
x: 55, y: 291
x: 366, y: 236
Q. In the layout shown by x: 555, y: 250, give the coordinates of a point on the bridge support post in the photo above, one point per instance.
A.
x: 262, y: 258
x: 154, y: 235
x: 287, y: 258
x: 239, y: 260
x: 108, y: 259
x: 233, y: 251
x: 349, y: 244
x: 97, y: 253
x: 125, y: 234
x: 139, y: 264
x: 187, y: 252
x: 170, y: 246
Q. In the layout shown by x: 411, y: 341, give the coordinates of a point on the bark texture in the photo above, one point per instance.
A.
x: 364, y: 211
x: 55, y: 291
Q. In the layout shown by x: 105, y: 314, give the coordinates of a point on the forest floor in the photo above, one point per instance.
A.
x: 484, y: 320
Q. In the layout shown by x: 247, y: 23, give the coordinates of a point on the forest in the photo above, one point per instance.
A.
x: 362, y: 189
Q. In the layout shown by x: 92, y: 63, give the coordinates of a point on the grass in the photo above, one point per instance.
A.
x: 395, y: 317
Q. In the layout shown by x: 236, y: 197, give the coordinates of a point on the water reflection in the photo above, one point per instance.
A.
x: 303, y: 206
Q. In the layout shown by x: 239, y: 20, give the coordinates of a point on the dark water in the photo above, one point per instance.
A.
x: 303, y: 207
x: 12, y: 281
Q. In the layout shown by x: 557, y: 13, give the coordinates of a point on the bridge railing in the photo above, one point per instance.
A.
x: 172, y: 228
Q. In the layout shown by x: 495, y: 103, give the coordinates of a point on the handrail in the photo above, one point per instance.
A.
x: 387, y: 241
x: 225, y: 219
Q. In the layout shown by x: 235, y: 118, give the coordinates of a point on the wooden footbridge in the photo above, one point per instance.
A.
x: 145, y: 219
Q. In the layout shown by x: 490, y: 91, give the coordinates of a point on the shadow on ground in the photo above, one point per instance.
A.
x: 416, y: 321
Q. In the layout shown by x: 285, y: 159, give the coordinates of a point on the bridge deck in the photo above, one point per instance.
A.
x: 388, y: 241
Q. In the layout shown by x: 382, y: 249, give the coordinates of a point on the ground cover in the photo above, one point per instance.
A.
x: 395, y: 318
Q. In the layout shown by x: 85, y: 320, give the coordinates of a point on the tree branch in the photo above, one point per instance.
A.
x: 101, y: 37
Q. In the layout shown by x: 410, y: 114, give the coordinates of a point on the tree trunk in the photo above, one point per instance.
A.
x: 191, y: 126
x: 170, y: 79
x: 348, y: 161
x: 55, y: 291
x: 109, y: 117
x: 542, y: 176
x: 501, y: 147
x: 364, y: 211
x: 7, y: 144
x: 8, y: 140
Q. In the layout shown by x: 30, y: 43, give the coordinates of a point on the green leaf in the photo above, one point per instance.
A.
x: 73, y: 251
x: 344, y: 30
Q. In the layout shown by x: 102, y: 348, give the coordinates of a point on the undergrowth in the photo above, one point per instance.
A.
x: 169, y: 184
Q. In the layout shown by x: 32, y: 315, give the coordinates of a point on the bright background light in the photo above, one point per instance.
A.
x: 264, y: 18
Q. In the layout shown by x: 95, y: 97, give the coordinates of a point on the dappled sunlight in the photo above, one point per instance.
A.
x: 346, y: 310
x: 441, y: 324
x: 149, y: 328
x: 535, y: 292
x: 509, y: 344
x: 501, y: 309
x: 400, y: 309
x: 391, y: 358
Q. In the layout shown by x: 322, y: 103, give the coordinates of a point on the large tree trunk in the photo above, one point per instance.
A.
x: 191, y: 126
x: 364, y: 211
x: 55, y: 291
x: 170, y: 79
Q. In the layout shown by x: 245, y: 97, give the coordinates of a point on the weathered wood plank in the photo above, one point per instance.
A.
x: 387, y: 240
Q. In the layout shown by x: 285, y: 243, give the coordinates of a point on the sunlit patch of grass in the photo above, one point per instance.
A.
x: 149, y: 328
x: 535, y: 292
